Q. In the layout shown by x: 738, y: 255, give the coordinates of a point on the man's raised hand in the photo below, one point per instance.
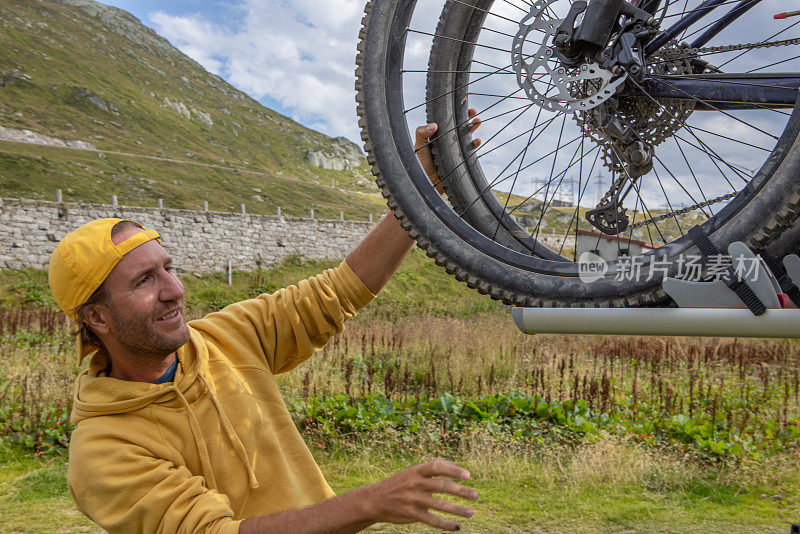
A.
x: 423, y: 148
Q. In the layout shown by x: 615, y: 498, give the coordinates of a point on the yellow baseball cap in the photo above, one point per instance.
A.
x: 82, y: 261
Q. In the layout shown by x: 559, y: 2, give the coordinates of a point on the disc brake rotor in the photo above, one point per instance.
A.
x: 550, y: 82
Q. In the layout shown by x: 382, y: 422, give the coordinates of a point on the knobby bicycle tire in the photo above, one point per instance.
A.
x: 507, y: 270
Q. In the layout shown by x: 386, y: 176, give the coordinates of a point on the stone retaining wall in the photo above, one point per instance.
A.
x: 197, y: 241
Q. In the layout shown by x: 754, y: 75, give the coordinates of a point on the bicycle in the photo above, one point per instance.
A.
x: 671, y: 102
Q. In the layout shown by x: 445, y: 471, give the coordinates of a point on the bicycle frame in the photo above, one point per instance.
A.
x: 696, y: 14
x: 717, y: 91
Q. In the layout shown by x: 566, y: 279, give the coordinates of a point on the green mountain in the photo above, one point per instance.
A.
x: 80, y: 74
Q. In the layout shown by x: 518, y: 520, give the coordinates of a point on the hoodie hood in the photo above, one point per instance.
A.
x: 98, y: 395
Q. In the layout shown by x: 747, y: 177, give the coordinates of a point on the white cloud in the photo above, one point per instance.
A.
x: 300, y: 54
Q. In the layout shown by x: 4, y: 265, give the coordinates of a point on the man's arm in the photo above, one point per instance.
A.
x: 379, y: 255
x: 403, y: 498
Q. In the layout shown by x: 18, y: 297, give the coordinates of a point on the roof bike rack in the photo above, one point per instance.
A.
x: 748, y: 300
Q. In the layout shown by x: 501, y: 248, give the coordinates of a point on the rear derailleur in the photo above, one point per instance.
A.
x: 631, y: 154
x: 614, y: 34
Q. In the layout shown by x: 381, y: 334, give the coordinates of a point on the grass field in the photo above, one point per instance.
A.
x: 586, y: 461
x: 608, y: 486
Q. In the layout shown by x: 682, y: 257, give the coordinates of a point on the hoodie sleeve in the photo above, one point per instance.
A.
x: 286, y: 327
x: 125, y: 489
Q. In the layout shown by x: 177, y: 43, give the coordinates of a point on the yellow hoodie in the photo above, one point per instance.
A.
x: 217, y: 445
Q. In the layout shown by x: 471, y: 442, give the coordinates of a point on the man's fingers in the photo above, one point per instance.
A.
x: 448, y: 507
x: 472, y: 113
x: 443, y: 485
x: 443, y: 468
x: 476, y: 143
x: 439, y: 522
x: 425, y: 132
x: 474, y: 125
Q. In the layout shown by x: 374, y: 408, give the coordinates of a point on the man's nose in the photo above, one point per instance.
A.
x: 171, y: 287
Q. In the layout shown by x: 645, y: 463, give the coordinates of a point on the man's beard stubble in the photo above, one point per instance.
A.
x: 138, y: 336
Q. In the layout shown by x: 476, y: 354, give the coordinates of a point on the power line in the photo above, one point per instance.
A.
x: 160, y: 158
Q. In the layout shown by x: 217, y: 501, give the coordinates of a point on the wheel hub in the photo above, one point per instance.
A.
x: 654, y: 122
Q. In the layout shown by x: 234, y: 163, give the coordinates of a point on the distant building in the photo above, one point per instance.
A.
x: 610, y: 247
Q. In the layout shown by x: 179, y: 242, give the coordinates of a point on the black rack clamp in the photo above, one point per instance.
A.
x: 729, y: 277
x: 787, y: 284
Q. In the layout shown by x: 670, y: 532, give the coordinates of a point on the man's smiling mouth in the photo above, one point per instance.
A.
x: 170, y: 315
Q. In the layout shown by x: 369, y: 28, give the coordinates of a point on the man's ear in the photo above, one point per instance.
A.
x: 98, y: 318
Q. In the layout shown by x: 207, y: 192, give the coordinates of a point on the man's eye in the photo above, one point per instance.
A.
x: 143, y: 280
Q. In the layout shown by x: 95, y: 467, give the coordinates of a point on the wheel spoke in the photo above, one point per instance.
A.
x: 633, y: 219
x: 685, y: 8
x: 509, y: 123
x: 776, y: 63
x: 576, y: 214
x: 455, y: 72
x: 710, y: 8
x: 499, y: 96
x: 463, y: 161
x: 485, y: 11
x: 546, y: 124
x: 650, y: 215
x: 516, y: 175
x: 456, y: 89
x: 498, y: 69
x: 552, y: 169
x: 516, y: 6
x: 548, y: 182
x: 699, y: 129
x: 714, y: 159
x: 499, y: 180
x: 676, y: 181
x: 694, y: 176
x: 686, y: 36
x: 666, y: 197
x: 504, y: 34
x: 438, y: 36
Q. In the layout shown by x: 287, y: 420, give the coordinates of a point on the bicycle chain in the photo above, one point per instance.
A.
x: 683, y: 210
x: 735, y: 48
x: 691, y: 54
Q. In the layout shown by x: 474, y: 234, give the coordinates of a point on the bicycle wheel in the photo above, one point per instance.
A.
x: 492, y: 230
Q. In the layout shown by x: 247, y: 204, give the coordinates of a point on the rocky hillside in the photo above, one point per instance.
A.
x: 92, y: 86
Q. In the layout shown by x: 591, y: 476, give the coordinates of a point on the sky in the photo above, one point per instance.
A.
x: 296, y: 57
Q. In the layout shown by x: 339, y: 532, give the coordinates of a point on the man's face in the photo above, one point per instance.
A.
x: 144, y: 301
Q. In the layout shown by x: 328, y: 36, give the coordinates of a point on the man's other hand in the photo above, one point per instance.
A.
x: 408, y: 496
x: 423, y: 148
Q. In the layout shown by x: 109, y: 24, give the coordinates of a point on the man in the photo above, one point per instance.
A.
x: 181, y: 427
